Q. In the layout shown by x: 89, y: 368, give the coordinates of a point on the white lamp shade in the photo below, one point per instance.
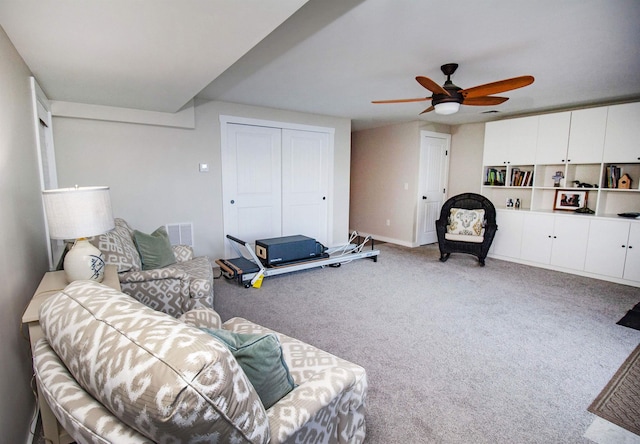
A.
x: 447, y: 108
x: 78, y: 212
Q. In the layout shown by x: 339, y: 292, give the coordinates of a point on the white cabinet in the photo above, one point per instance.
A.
x: 632, y: 263
x: 511, y: 142
x: 622, y: 138
x: 607, y: 247
x: 614, y: 249
x: 555, y: 240
x: 553, y: 138
x: 586, y: 136
x: 509, y: 234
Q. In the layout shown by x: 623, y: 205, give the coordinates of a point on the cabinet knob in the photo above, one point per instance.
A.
x: 630, y: 247
x: 623, y: 246
x: 568, y: 160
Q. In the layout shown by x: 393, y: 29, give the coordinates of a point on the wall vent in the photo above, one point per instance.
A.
x: 180, y: 234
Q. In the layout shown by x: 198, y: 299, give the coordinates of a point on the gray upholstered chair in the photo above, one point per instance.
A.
x: 174, y: 289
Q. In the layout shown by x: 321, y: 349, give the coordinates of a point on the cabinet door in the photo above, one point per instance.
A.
x: 607, y: 247
x: 509, y: 235
x: 496, y: 143
x: 570, y: 236
x: 586, y: 136
x: 623, y: 133
x: 523, y: 137
x: 537, y: 237
x: 553, y: 138
x: 632, y: 264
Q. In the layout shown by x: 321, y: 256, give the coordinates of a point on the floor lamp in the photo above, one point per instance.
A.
x: 77, y: 213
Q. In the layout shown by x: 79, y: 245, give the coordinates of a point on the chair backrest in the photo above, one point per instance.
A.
x: 470, y: 201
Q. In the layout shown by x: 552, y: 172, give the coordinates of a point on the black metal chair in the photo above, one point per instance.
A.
x: 468, y: 201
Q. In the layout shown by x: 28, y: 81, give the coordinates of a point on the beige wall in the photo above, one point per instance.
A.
x: 465, y: 161
x: 23, y: 256
x: 384, y: 160
x: 153, y: 170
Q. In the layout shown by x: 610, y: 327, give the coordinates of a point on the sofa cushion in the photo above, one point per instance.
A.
x: 467, y: 222
x: 260, y: 356
x: 154, y: 249
x: 118, y: 248
x: 169, y: 381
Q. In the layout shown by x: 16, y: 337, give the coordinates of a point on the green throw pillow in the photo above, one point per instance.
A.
x: 261, y: 359
x: 155, y: 249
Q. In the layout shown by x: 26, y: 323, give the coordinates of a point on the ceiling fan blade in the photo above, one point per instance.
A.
x: 432, y: 86
x: 419, y: 99
x: 484, y: 101
x: 496, y: 87
x: 431, y: 108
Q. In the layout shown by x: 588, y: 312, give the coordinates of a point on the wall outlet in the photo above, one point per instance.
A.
x: 388, y: 223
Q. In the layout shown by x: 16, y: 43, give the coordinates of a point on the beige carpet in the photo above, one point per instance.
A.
x: 619, y: 401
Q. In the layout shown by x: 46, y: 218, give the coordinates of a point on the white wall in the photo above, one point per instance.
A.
x: 23, y: 255
x: 153, y: 170
x: 465, y: 161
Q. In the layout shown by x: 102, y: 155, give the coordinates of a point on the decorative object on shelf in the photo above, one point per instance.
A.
x: 517, y: 204
x: 556, y: 178
x: 78, y: 213
x: 630, y: 215
x: 584, y: 184
x: 509, y: 203
x: 624, y: 182
x: 570, y: 200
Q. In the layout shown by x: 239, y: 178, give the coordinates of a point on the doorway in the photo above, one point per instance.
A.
x: 434, y: 164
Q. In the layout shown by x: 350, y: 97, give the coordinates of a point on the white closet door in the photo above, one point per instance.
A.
x: 305, y: 178
x: 251, y: 163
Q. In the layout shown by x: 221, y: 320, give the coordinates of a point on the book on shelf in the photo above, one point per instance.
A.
x: 612, y: 177
x: 521, y: 178
x: 495, y: 177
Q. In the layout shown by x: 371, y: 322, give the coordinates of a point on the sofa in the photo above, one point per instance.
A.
x: 114, y: 370
x: 184, y: 284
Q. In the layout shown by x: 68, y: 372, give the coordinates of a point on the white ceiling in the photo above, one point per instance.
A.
x: 331, y: 56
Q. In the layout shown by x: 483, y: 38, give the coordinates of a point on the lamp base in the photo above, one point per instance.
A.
x: 84, y: 262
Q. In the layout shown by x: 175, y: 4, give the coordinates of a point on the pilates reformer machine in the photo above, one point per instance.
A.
x: 250, y: 271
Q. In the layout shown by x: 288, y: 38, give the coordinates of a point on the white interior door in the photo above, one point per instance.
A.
x: 305, y: 173
x: 434, y: 149
x: 251, y: 165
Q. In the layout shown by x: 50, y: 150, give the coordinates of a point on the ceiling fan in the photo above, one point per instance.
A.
x: 446, y: 99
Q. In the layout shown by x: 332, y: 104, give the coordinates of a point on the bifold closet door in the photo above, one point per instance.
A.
x: 275, y: 182
x: 251, y: 182
x: 305, y: 178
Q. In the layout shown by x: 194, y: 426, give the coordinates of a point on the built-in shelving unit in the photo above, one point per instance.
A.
x: 532, y: 158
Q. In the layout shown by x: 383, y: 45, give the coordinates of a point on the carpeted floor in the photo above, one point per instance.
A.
x: 455, y: 353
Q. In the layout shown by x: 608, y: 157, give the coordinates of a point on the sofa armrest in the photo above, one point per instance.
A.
x: 202, y: 318
x: 333, y: 399
x: 163, y: 289
x: 84, y: 418
x: 182, y: 253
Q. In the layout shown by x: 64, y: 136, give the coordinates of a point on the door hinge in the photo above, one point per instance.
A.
x: 446, y: 152
x: 444, y: 191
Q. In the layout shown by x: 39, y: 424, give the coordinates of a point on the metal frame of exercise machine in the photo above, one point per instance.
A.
x: 253, y: 277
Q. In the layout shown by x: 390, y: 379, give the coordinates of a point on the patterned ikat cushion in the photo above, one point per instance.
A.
x: 169, y: 381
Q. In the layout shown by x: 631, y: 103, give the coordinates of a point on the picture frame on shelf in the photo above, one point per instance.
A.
x: 570, y: 200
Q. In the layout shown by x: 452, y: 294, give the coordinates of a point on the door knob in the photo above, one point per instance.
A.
x: 232, y: 201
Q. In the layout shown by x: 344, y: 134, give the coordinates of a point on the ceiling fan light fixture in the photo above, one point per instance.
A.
x: 447, y: 108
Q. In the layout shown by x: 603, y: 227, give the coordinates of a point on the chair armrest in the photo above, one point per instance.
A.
x: 152, y: 275
x: 202, y: 318
x: 183, y: 253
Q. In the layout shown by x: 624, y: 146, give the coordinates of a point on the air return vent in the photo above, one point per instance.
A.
x: 180, y: 234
